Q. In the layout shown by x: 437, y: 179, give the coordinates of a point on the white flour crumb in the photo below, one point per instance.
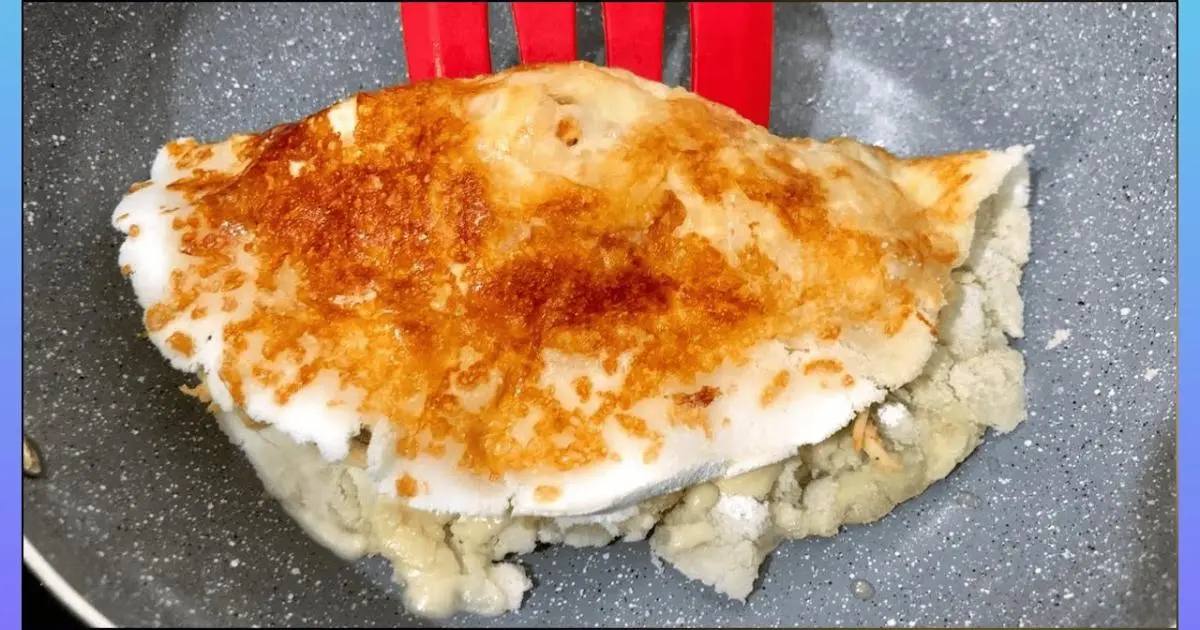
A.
x: 1125, y: 312
x: 744, y: 517
x: 1060, y: 337
x: 1151, y: 373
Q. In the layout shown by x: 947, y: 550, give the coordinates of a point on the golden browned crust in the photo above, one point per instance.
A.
x: 512, y: 214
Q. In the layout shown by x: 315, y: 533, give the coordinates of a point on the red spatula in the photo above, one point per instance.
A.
x: 731, y: 43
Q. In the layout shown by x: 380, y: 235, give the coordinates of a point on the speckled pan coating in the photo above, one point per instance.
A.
x: 1070, y: 520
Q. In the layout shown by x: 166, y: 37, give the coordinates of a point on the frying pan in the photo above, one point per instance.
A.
x: 145, y: 514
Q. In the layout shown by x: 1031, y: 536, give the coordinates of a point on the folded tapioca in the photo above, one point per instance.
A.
x: 564, y: 300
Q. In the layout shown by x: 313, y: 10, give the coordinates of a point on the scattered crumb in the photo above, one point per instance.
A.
x: 1060, y: 337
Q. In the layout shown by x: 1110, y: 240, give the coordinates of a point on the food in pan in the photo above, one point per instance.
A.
x: 562, y: 304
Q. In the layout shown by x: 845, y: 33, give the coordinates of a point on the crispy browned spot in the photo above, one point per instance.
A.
x: 638, y: 428
x: 406, y: 486
x: 829, y: 332
x: 126, y: 270
x: 178, y: 148
x: 826, y: 366
x: 182, y: 343
x: 692, y: 418
x: 583, y: 388
x: 652, y: 452
x: 158, y: 316
x: 546, y: 494
x: 774, y: 388
x: 701, y: 398
x: 635, y: 426
x: 134, y: 231
x: 472, y: 377
x: 138, y: 186
x: 568, y: 131
x: 189, y: 154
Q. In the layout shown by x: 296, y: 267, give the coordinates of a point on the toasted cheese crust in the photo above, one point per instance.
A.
x: 447, y: 254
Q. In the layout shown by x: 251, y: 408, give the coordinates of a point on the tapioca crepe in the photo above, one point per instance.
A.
x: 564, y: 304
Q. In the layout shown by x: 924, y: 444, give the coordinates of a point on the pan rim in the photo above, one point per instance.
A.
x: 61, y: 589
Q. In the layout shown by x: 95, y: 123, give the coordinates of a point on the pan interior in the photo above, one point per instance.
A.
x: 153, y: 517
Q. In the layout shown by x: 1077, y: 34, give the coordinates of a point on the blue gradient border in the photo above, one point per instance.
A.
x: 1189, y: 304
x: 10, y: 309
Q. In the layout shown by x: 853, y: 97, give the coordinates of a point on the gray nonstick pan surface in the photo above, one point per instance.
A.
x: 151, y: 517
